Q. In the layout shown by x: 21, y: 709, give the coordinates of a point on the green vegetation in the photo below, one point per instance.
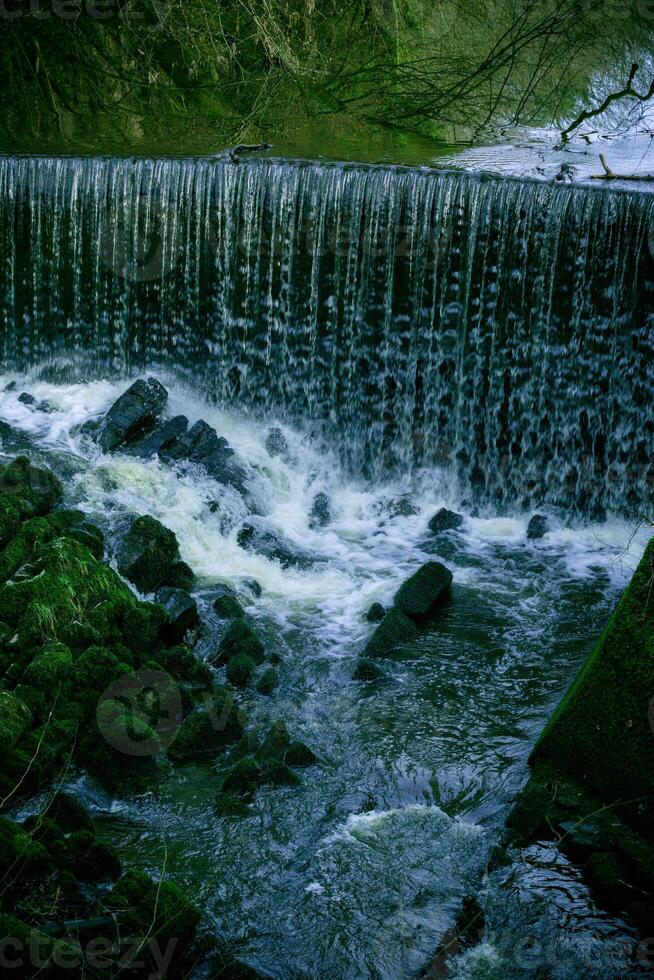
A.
x: 203, y: 74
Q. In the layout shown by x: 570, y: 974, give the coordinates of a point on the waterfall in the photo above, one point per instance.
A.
x: 501, y: 328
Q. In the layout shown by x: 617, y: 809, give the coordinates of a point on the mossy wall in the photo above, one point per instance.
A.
x: 602, y: 733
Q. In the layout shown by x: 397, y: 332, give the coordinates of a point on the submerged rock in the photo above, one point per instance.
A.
x: 136, y: 411
x: 538, y: 527
x: 240, y: 670
x: 421, y: 594
x: 208, y: 729
x: 265, y: 542
x: 394, y: 630
x: 321, y: 511
x: 147, y: 553
x: 47, y: 407
x: 182, y: 612
x: 445, y: 520
x: 367, y: 670
x: 268, y: 681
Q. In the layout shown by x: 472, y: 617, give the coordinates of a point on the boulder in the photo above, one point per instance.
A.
x: 376, y: 613
x: 268, y: 681
x: 27, y: 399
x: 537, y: 528
x: 202, y: 445
x: 227, y: 605
x: 147, y: 553
x: 180, y: 576
x: 276, y: 444
x: 161, y: 439
x: 321, y: 511
x: 160, y: 911
x: 243, y: 777
x: 208, y: 729
x: 423, y: 592
x: 394, y: 630
x: 136, y: 411
x: 445, y: 520
x: 15, y: 719
x: 265, y: 542
x: 47, y: 407
x: 182, y: 613
x: 241, y: 670
x: 240, y: 638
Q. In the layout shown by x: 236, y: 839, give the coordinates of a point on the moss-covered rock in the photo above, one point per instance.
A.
x: 268, y: 681
x: 15, y: 719
x: 421, y: 594
x: 147, y: 553
x: 208, y: 729
x: 241, y: 670
x: 38, y: 488
x: 241, y: 638
x: 159, y: 909
x: 243, y: 777
x: 91, y: 859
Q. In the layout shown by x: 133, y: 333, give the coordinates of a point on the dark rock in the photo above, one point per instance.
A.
x: 279, y: 774
x: 12, y: 386
x: 538, y: 527
x: 163, y: 437
x: 402, y: 507
x: 146, y: 553
x: 136, y: 411
x: 240, y: 638
x: 581, y: 838
x: 268, y: 681
x: 182, y: 612
x: 202, y: 445
x: 27, y: 399
x: 608, y: 876
x: 445, y: 520
x: 73, y: 524
x: 394, y: 630
x: 276, y: 444
x: 300, y: 755
x: 270, y: 545
x: 159, y: 910
x: 376, y: 613
x: 367, y: 670
x: 69, y: 813
x: 423, y: 592
x: 180, y: 576
x: 321, y: 511
x: 93, y: 860
x: 47, y: 407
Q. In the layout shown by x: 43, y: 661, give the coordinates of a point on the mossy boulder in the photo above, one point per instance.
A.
x: 208, y: 729
x: 243, y: 777
x: 159, y: 910
x: 601, y: 733
x: 21, y: 857
x: 147, y: 553
x: 268, y: 681
x: 136, y: 411
x: 227, y: 605
x: 241, y: 670
x: 34, y: 486
x: 181, y: 610
x: 367, y: 670
x: 91, y: 859
x: 240, y: 639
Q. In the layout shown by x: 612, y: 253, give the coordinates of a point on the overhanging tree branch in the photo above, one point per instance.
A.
x: 627, y: 92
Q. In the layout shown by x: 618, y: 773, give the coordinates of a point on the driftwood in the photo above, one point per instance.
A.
x: 609, y: 175
x: 235, y: 151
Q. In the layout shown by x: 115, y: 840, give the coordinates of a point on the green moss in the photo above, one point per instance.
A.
x: 38, y: 489
x: 21, y: 856
x: 15, y: 718
x: 50, y: 668
x: 601, y: 733
x: 208, y: 729
x: 243, y: 777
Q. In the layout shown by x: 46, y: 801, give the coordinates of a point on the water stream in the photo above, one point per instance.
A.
x: 468, y: 342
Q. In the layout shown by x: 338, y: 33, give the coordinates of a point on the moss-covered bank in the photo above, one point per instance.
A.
x: 592, y: 782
